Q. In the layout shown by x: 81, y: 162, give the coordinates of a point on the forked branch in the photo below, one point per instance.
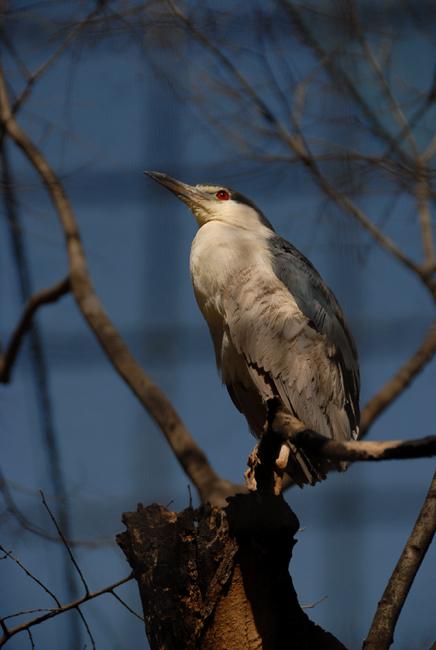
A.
x: 8, y: 633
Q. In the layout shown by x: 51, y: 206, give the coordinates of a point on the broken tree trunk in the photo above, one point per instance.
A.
x: 217, y: 578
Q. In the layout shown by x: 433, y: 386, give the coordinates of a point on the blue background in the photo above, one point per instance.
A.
x: 107, y: 110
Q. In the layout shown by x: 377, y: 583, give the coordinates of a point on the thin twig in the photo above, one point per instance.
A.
x: 381, y: 633
x: 32, y: 642
x: 390, y: 99
x: 27, y: 611
x: 190, y: 456
x: 30, y: 575
x: 39, y: 365
x: 314, y: 604
x: 86, y: 626
x: 40, y: 71
x: 296, y: 142
x: 124, y: 604
x: 422, y: 191
x: 64, y: 541
x: 26, y: 524
x: 44, y: 297
x: 340, y: 77
x: 395, y: 386
x: 10, y: 632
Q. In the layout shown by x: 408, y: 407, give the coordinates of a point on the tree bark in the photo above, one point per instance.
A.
x: 217, y: 579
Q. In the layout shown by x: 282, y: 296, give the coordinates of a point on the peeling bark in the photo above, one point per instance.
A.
x: 217, y: 579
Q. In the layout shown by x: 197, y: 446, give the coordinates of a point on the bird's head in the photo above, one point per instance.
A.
x: 215, y: 203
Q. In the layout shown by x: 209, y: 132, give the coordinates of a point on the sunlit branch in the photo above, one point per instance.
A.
x: 293, y: 430
x: 358, y: 450
x: 190, y: 456
x: 381, y: 634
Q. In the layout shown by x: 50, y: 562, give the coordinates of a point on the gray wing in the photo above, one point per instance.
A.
x: 290, y: 331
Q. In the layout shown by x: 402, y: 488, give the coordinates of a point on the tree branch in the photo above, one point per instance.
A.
x: 13, y: 509
x: 193, y: 460
x: 44, y: 297
x: 395, y: 386
x: 359, y: 450
x: 338, y: 75
x: 295, y: 141
x: 33, y: 77
x: 424, y: 214
x: 10, y: 632
x: 65, y: 543
x: 293, y: 430
x: 381, y: 634
x: 48, y: 591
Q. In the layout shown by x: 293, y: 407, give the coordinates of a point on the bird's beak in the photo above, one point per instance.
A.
x: 186, y: 193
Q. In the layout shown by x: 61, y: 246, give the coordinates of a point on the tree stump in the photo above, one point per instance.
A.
x: 218, y: 579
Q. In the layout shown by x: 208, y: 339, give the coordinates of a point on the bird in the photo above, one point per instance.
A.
x: 278, y: 331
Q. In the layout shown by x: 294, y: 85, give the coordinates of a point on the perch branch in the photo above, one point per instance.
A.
x: 291, y: 429
x: 190, y: 456
x: 358, y: 450
x: 395, y: 386
x: 380, y: 636
x: 44, y: 297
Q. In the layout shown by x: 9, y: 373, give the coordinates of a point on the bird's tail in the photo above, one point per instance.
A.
x: 303, y: 469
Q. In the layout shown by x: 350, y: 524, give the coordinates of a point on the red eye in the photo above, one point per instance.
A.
x: 222, y: 195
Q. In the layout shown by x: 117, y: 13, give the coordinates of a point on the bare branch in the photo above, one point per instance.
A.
x: 422, y: 200
x: 10, y: 632
x: 296, y: 143
x: 124, y: 604
x: 30, y: 574
x: 32, y: 642
x: 26, y: 524
x: 191, y: 457
x: 293, y: 430
x: 359, y: 450
x: 71, y: 36
x: 65, y: 543
x: 381, y: 633
x: 86, y: 626
x: 44, y: 297
x: 338, y: 74
x: 391, y: 101
x: 395, y: 386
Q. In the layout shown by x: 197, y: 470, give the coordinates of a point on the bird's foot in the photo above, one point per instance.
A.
x: 261, y: 474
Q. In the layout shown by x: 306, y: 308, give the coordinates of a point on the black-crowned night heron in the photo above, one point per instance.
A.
x: 278, y: 331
